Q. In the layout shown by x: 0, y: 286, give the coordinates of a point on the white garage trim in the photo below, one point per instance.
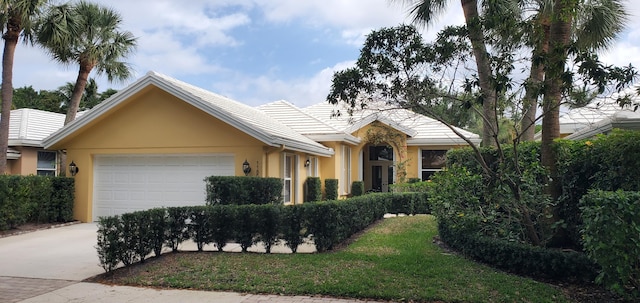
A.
x: 126, y: 183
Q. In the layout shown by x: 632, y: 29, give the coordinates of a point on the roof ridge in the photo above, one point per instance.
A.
x: 300, y: 110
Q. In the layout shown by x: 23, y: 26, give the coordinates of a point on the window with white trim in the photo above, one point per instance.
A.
x: 46, y: 163
x: 287, y: 193
x: 344, y: 183
x: 431, y: 162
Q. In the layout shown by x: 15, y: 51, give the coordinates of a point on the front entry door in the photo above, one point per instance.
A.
x: 380, y: 160
x: 381, y: 177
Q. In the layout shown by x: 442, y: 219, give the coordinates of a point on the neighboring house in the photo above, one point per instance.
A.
x: 600, y: 116
x: 26, y: 155
x: 154, y: 142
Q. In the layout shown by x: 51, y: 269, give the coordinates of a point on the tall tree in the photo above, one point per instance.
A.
x: 89, y: 35
x: 424, y: 12
x: 596, y: 25
x: 17, y: 18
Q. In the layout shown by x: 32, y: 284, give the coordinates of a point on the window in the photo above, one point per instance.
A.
x: 380, y: 153
x: 345, y: 187
x: 431, y: 162
x: 46, y: 163
x: 288, y: 178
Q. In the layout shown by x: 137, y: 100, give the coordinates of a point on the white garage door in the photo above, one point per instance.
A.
x: 135, y: 182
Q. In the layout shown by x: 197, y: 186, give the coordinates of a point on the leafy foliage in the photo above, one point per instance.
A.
x: 357, y: 188
x: 517, y: 257
x: 331, y: 189
x: 223, y: 190
x: 131, y: 237
x: 312, y: 189
x: 611, y: 236
x: 37, y: 199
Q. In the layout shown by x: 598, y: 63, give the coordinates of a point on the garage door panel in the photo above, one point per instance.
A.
x: 127, y: 183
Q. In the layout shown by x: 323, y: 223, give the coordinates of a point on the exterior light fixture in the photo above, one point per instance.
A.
x: 246, y: 168
x: 73, y: 168
x: 307, y: 163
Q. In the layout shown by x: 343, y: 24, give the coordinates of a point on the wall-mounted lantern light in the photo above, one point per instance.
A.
x: 307, y: 163
x: 73, y: 168
x: 246, y: 168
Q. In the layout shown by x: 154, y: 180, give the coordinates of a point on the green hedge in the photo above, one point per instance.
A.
x: 131, y: 237
x: 519, y: 258
x: 611, y: 234
x: 36, y: 199
x: 223, y: 190
x: 312, y: 189
x: 331, y: 189
x: 357, y: 188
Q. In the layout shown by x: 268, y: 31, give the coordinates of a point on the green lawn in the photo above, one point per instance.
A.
x: 395, y: 260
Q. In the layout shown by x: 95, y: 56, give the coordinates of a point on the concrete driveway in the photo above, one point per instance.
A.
x: 48, y: 266
x: 64, y: 253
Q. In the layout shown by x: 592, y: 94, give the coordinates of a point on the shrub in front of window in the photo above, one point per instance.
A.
x: 357, y: 188
x: 331, y: 189
x: 312, y: 189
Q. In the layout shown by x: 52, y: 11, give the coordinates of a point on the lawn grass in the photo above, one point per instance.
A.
x: 395, y: 260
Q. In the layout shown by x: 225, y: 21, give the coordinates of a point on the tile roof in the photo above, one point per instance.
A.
x: 304, y: 123
x: 28, y: 127
x: 596, y: 111
x: 421, y: 129
x: 243, y: 117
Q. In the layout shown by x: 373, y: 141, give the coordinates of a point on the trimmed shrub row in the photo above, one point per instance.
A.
x: 36, y: 199
x: 611, y: 237
x: 132, y: 237
x: 243, y: 190
x: 519, y: 258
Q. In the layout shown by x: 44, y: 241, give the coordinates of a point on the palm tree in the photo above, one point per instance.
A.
x: 595, y: 27
x: 87, y: 34
x: 17, y: 17
x: 424, y: 12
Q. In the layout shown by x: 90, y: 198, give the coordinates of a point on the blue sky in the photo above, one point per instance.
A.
x: 258, y: 51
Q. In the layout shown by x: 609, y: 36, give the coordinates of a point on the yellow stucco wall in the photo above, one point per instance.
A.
x: 155, y: 122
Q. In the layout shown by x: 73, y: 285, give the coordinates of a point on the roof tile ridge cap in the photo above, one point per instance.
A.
x: 24, y: 123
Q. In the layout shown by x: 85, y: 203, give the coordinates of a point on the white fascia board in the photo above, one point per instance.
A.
x: 334, y: 137
x: 25, y: 142
x: 590, y: 131
x: 305, y: 148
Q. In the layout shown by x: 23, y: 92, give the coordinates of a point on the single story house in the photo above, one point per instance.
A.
x: 601, y: 115
x: 27, y: 129
x: 154, y: 142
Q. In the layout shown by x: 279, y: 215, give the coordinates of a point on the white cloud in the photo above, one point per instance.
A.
x: 263, y: 89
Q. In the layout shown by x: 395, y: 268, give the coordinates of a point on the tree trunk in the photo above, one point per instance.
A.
x: 10, y: 42
x: 559, y: 34
x: 476, y: 36
x: 78, y: 90
x: 530, y: 101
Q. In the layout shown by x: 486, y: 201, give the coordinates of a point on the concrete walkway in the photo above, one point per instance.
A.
x: 48, y: 266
